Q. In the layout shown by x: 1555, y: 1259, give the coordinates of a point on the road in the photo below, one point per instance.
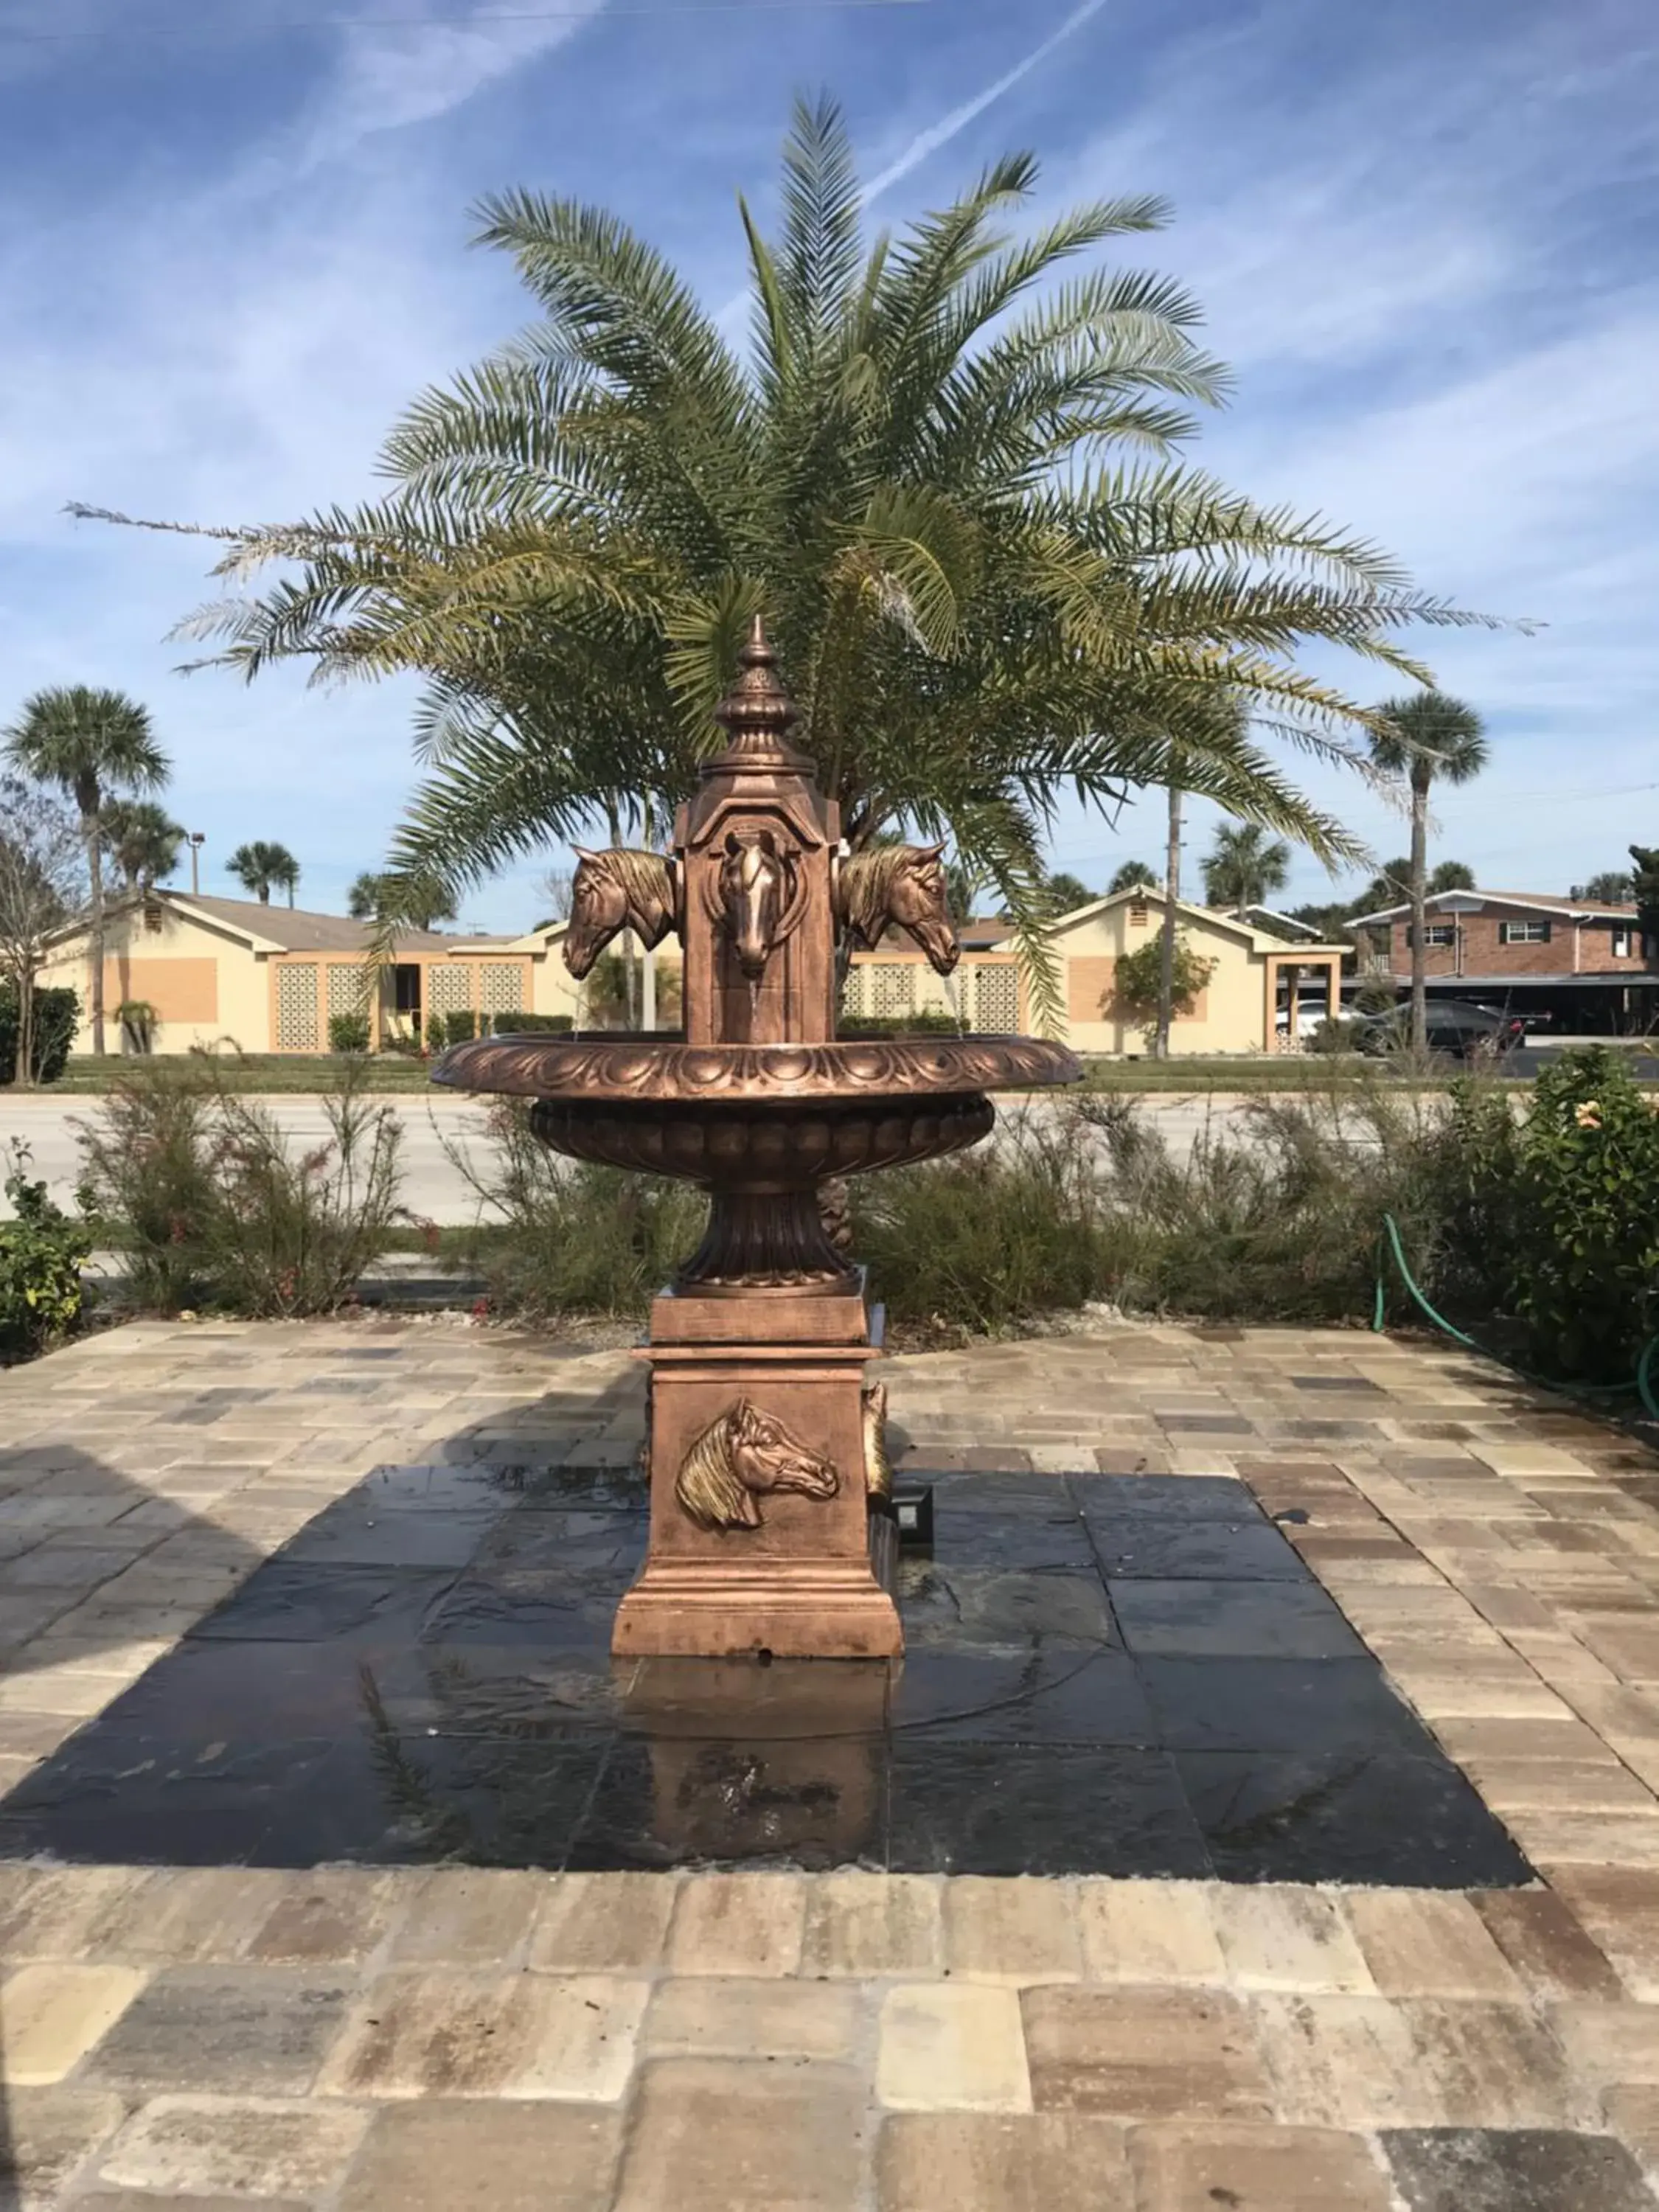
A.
x: 434, y: 1186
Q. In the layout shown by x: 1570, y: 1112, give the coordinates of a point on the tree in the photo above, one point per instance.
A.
x: 1243, y: 866
x: 1644, y: 889
x: 1140, y: 987
x: 920, y: 472
x: 375, y: 895
x: 1392, y: 885
x: 42, y: 884
x: 1451, y: 876
x: 1131, y: 875
x: 261, y: 867
x: 92, y: 744
x: 1065, y: 892
x: 1613, y: 887
x: 1426, y: 737
x: 143, y: 840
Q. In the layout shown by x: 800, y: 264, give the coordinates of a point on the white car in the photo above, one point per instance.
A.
x: 1308, y: 1020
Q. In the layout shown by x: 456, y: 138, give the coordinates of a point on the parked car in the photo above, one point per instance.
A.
x: 1455, y: 1026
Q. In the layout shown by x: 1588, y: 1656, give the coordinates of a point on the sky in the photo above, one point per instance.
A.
x: 236, y: 244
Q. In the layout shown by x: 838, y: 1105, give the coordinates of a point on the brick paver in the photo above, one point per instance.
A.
x: 346, y: 2039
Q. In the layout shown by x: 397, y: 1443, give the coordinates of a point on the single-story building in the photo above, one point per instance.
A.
x: 270, y: 978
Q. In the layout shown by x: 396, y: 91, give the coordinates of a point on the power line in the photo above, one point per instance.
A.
x: 599, y: 13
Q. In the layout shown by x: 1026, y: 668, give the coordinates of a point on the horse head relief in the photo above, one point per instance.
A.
x: 616, y: 890
x: 759, y: 889
x: 900, y: 886
x: 743, y: 1456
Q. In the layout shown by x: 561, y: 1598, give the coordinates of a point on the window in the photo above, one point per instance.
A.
x: 1437, y: 932
x: 1523, y: 933
x: 1621, y: 944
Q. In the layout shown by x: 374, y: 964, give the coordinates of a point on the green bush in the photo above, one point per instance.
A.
x: 534, y: 1024
x: 57, y: 1018
x: 1333, y: 1036
x: 42, y: 1253
x: 348, y: 1033
x: 462, y: 1026
x: 932, y: 1022
x: 195, y: 1184
x: 564, y: 1236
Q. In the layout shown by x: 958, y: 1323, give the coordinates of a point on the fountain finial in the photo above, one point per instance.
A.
x: 758, y: 712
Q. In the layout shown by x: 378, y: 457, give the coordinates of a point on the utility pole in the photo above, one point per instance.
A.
x: 1166, y: 964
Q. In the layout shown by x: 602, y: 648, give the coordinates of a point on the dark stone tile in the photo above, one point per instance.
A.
x: 1015, y: 1493
x: 1206, y: 1425
x: 994, y: 1542
x: 435, y: 1486
x: 1107, y: 1497
x: 477, y: 1800
x: 1346, y: 1817
x: 354, y: 1533
x: 214, y: 1690
x: 1336, y: 1432
x: 585, y: 1546
x: 1354, y: 1385
x: 305, y: 1603
x: 940, y: 1604
x: 144, y: 1802
x: 1523, y: 2170
x: 676, y: 1801
x: 1144, y: 1549
x: 536, y: 1694
x: 1277, y: 1704
x: 1037, y: 1697
x: 1244, y: 1620
x: 986, y: 1808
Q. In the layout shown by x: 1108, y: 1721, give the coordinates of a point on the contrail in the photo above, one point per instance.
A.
x: 941, y: 133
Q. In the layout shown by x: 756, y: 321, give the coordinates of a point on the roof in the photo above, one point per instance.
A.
x: 286, y: 928
x: 1542, y: 902
x: 1597, y: 979
x: 1229, y: 925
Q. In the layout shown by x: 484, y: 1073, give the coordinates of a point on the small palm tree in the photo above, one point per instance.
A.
x: 1243, y: 866
x: 90, y: 743
x: 418, y: 901
x: 1426, y: 737
x: 1131, y: 875
x: 143, y: 840
x: 260, y: 867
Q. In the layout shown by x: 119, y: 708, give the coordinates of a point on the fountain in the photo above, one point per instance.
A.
x: 768, y: 1468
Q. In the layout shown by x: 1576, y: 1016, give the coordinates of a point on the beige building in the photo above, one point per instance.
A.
x: 1262, y: 994
x: 270, y: 978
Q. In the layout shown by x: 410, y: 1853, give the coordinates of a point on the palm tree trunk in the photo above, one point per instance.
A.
x: 1166, y: 964
x: 1419, y: 887
x: 96, y: 923
x: 23, y: 1073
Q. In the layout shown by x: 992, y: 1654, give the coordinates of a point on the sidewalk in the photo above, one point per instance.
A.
x: 356, y: 2037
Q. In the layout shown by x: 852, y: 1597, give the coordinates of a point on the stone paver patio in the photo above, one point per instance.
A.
x: 787, y: 2043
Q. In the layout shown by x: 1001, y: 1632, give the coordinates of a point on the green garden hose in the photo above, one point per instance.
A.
x: 1641, y: 1384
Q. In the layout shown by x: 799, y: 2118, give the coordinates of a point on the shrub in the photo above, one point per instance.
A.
x: 462, y: 1026
x: 57, y: 1018
x: 1333, y: 1036
x: 534, y: 1024
x: 563, y: 1236
x: 1138, y: 980
x: 932, y: 1021
x: 195, y: 1184
x: 42, y: 1253
x: 139, y: 1022
x: 348, y: 1033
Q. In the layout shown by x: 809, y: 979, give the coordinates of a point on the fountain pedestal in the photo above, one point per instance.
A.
x: 766, y: 1458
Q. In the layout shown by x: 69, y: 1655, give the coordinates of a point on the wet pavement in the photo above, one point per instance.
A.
x: 1128, y: 1675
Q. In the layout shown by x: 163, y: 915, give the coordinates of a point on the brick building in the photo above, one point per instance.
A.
x: 1571, y: 966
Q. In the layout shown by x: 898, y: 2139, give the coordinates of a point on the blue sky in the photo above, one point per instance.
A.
x: 236, y: 245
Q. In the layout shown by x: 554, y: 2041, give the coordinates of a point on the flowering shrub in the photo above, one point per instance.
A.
x: 42, y: 1252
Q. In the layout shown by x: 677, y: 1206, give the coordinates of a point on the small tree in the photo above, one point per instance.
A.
x: 1066, y: 892
x: 263, y: 866
x: 378, y: 896
x: 1136, y: 981
x: 1644, y: 889
x: 1429, y: 737
x: 142, y: 839
x: 1244, y: 866
x: 42, y: 884
x: 1130, y: 878
x: 1613, y: 887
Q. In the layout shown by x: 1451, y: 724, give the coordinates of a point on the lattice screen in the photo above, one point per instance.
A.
x: 449, y: 990
x: 296, y: 1007
x: 996, y: 999
x: 852, y: 991
x: 892, y: 988
x: 501, y: 987
x: 345, y: 988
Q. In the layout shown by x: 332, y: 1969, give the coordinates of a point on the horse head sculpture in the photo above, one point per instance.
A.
x: 744, y: 1455
x: 759, y: 897
x: 617, y: 890
x: 899, y: 885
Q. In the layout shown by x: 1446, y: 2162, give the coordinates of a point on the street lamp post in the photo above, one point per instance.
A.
x: 195, y: 841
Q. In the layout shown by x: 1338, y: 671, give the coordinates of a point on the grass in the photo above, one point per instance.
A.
x: 277, y: 1072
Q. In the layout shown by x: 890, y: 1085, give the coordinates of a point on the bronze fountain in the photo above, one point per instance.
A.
x: 769, y: 1474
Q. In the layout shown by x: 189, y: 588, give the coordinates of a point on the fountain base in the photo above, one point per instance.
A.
x: 759, y: 1492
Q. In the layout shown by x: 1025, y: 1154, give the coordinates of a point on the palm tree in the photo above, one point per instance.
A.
x: 90, y: 743
x: 376, y: 893
x: 1131, y: 875
x: 1065, y: 892
x: 1243, y: 866
x: 261, y: 866
x: 1426, y: 737
x: 922, y: 470
x: 143, y: 840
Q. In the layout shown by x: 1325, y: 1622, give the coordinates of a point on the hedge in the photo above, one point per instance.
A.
x: 57, y: 1018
